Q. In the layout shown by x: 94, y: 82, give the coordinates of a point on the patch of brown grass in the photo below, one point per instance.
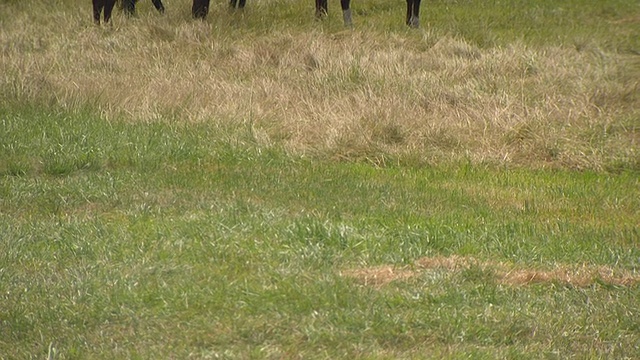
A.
x: 582, y: 276
x: 579, y: 276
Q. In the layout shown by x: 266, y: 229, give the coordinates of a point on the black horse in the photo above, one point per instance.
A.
x: 413, y: 11
x: 129, y: 7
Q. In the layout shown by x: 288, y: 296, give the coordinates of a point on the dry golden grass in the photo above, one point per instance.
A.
x: 507, y: 274
x: 355, y: 95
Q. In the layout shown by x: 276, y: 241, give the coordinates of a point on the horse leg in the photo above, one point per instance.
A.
x: 200, y: 9
x: 239, y: 4
x: 413, y: 13
x: 129, y: 7
x: 321, y: 8
x: 416, y: 12
x: 346, y: 13
x: 98, y: 5
x: 108, y: 9
x: 408, y: 18
x: 158, y: 5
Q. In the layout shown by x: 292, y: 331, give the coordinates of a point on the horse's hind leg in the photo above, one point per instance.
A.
x: 129, y: 7
x: 200, y: 9
x: 346, y: 12
x: 108, y: 9
x: 237, y: 4
x: 413, y: 13
x: 158, y: 5
x: 321, y: 8
x: 98, y: 5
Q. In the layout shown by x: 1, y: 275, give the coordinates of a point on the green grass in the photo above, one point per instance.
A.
x: 500, y: 22
x: 171, y: 189
x: 134, y: 240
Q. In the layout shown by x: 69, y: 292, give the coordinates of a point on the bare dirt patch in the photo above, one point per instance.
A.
x: 507, y: 274
x: 635, y: 19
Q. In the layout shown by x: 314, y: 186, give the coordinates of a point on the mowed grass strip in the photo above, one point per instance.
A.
x: 135, y: 240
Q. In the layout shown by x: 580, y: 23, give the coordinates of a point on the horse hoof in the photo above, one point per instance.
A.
x: 414, y: 22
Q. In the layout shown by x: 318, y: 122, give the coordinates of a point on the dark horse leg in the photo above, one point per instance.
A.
x: 322, y: 10
x: 97, y: 10
x: 346, y: 12
x: 103, y: 5
x: 129, y: 6
x: 413, y: 13
x: 237, y: 4
x: 158, y: 5
x: 200, y: 9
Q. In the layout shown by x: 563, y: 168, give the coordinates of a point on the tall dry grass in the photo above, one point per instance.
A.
x: 365, y: 94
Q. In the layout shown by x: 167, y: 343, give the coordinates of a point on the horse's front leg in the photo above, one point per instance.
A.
x: 322, y: 8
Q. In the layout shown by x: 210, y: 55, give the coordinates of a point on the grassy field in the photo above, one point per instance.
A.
x: 263, y: 185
